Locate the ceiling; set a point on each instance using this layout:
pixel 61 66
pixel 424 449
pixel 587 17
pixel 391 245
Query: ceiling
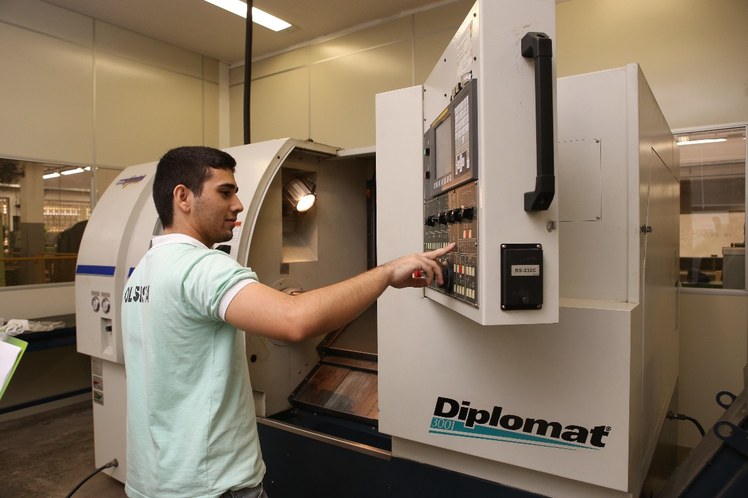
pixel 203 28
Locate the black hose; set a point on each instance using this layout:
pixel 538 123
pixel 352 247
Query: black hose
pixel 113 463
pixel 680 416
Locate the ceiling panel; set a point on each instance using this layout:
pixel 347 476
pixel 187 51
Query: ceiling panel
pixel 209 30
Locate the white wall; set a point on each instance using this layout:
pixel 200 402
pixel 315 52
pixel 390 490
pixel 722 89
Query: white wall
pixel 79 91
pixel 691 51
pixel 325 91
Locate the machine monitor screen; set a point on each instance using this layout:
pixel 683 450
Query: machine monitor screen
pixel 444 148
pixel 450 144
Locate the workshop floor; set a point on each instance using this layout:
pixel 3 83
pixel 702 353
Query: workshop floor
pixel 49 454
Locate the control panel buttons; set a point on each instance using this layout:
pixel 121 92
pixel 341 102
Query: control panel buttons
pixel 95 304
pixel 452 217
pixel 105 305
pixel 449 217
pixel 447 275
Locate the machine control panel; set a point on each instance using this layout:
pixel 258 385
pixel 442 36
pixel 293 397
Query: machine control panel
pixel 450 192
pixel 452 217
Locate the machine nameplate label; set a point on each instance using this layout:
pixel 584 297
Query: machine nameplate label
pixel 452 418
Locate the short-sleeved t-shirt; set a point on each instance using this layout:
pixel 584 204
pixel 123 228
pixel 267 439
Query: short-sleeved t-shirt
pixel 191 425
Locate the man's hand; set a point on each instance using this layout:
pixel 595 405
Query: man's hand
pixel 417 270
pixel 259 309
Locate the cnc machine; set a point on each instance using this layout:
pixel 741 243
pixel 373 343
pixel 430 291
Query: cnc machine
pixel 546 362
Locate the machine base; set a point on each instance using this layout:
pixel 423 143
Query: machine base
pixel 303 465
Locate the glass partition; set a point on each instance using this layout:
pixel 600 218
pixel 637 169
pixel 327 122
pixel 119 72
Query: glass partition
pixel 713 210
pixel 44 209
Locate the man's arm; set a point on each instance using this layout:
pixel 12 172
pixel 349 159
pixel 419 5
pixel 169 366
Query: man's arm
pixel 262 310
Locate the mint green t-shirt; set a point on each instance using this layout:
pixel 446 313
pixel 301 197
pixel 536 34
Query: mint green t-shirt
pixel 191 426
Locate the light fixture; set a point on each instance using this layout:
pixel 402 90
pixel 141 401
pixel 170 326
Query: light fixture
pixel 49 176
pixel 701 141
pixel 74 171
pixel 258 16
pixel 299 192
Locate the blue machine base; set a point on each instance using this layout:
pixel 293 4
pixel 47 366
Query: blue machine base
pixel 302 467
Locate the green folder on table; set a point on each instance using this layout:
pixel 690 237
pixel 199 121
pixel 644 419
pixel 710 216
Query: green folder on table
pixel 11 351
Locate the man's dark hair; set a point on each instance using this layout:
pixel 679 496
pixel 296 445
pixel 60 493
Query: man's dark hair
pixel 189 166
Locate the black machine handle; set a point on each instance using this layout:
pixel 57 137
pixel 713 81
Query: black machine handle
pixel 538 47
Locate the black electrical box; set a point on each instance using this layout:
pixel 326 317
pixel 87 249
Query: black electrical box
pixel 521 276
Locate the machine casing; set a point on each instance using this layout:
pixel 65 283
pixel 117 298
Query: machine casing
pixel 609 366
pixel 572 408
pixel 486 53
pixel 289 252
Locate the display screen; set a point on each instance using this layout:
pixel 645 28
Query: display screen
pixel 444 148
pixel 450 145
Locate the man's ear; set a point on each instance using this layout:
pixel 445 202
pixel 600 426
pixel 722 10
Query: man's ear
pixel 182 198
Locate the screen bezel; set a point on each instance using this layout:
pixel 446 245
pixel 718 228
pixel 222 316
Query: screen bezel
pixel 435 183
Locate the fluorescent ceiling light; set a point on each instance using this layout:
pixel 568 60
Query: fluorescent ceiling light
pixel 701 141
pixel 258 16
pixel 72 171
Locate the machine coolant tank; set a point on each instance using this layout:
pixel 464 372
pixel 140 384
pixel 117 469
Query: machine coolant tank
pixel 474 153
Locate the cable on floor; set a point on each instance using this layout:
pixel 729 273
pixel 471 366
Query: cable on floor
pixel 107 465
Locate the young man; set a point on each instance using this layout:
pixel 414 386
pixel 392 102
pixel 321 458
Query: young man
pixel 191 427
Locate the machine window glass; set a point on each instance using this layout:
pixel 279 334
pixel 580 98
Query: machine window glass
pixel 713 209
pixel 44 209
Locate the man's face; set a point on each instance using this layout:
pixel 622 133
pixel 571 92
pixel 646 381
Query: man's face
pixel 217 207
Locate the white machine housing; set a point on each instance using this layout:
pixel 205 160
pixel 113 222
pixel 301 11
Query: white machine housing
pixel 571 409
pixel 487 49
pixel 291 252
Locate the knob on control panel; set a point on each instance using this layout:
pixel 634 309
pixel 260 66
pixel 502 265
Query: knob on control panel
pixel 453 217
